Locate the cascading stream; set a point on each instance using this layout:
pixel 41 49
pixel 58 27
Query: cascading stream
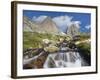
pixel 63 59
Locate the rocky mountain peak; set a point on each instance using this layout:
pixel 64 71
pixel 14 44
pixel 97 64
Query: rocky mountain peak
pixel 49 26
pixel 73 30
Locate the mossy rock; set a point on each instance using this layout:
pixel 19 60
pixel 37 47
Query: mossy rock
pixel 51 49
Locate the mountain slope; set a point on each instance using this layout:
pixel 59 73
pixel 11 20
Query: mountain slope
pixel 29 26
pixel 47 26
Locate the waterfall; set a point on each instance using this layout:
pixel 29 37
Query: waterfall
pixel 63 59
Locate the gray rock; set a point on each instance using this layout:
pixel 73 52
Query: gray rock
pixel 73 30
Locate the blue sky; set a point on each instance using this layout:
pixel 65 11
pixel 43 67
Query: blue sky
pixel 62 19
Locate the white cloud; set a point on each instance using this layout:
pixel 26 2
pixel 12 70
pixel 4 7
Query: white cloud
pixel 62 20
pixel 88 26
pixel 39 19
pixel 65 21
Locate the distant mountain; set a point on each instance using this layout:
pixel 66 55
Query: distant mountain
pixel 26 25
pixel 47 26
pixel 29 26
pixel 73 30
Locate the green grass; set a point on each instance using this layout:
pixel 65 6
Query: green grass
pixel 85 51
pixel 84 48
pixel 84 36
pixel 34 40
